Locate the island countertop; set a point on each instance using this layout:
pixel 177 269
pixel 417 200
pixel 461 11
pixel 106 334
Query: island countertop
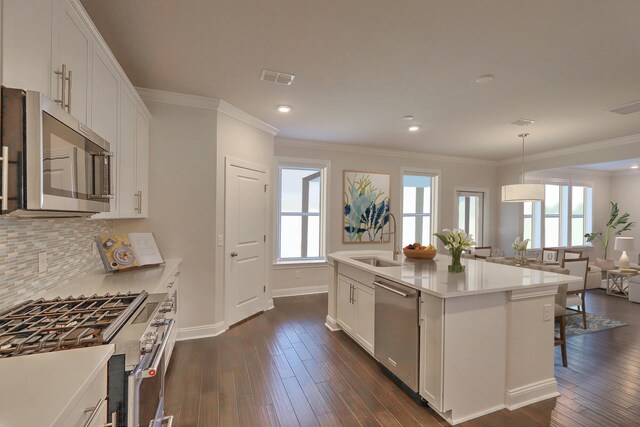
pixel 432 277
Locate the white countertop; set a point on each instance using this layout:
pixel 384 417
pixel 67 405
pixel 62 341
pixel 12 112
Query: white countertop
pixel 480 277
pixel 98 282
pixel 36 390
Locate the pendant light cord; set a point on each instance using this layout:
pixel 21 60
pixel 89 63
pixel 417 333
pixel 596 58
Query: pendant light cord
pixel 523 136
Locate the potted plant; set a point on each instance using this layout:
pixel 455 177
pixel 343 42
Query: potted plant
pixel 618 223
pixel 455 241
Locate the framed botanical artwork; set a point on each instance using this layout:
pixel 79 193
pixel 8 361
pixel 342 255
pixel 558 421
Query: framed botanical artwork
pixel 365 202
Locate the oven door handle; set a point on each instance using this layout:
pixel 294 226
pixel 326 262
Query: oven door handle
pixel 152 369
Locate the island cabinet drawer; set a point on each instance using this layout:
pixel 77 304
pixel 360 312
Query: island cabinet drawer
pixel 90 409
pixel 356 274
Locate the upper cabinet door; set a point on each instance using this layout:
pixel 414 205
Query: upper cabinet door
pixel 142 163
pixel 72 45
pixel 26 45
pixel 127 198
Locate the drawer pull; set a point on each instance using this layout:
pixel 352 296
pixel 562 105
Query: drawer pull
pixel 94 411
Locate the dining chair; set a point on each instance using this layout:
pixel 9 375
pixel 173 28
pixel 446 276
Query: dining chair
pixel 482 252
pixel 560 309
pixel 571 254
pixel 550 255
pixel 576 292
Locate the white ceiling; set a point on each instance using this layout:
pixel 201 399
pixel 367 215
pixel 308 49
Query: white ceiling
pixel 617 166
pixel 361 65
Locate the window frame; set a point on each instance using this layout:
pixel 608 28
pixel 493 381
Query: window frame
pixel 324 168
pixel 485 193
pixel 565 213
pixel 434 174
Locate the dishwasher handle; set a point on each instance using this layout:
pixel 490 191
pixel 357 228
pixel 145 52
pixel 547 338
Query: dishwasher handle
pixel 395 291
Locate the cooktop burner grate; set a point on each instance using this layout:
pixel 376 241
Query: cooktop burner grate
pixel 38 326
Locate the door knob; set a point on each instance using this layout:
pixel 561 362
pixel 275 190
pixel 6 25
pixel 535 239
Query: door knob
pixel 234 254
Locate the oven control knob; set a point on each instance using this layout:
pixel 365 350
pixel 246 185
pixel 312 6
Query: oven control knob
pixel 158 323
pixel 147 346
pixel 166 307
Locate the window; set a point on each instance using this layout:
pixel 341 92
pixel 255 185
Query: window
pixel 417 208
pixel 470 210
pixel 562 219
pixel 301 213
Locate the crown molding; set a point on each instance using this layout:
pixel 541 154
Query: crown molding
pixel 592 146
pixel 349 148
pixel 206 103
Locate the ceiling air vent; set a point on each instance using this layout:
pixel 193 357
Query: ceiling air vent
pixel 634 107
pixel 277 77
pixel 522 122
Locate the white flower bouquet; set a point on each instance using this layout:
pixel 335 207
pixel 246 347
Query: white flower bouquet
pixel 455 241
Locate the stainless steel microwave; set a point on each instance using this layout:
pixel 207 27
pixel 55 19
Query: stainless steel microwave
pixel 52 165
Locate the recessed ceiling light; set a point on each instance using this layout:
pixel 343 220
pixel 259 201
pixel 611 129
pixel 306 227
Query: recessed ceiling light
pixel 485 78
pixel 284 108
pixel 634 166
pixel 523 122
pixel 414 128
pixel 408 118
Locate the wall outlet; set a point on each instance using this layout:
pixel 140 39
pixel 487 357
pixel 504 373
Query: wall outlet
pixel 42 262
pixel 220 240
pixel 94 248
pixel 546 312
pixel 297 274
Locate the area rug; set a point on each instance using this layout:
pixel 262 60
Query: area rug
pixel 594 324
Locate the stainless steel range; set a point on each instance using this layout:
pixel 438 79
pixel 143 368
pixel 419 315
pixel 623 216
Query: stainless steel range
pixel 139 325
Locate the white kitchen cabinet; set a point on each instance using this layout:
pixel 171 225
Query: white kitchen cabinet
pixel 431 350
pixel 356 311
pixel 26 45
pixel 92 403
pixel 126 156
pixel 72 52
pixel 346 309
pixel 142 164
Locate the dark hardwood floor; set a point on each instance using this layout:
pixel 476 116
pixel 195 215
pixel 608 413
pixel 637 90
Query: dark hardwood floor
pixel 284 368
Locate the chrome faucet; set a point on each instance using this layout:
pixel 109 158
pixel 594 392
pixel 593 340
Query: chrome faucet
pixel 396 247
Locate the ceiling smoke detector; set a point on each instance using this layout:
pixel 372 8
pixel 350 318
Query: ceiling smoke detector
pixel 277 77
pixel 522 122
pixel 633 107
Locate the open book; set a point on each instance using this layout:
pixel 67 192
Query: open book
pixel 122 251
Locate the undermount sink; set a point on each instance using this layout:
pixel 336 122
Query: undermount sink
pixel 376 262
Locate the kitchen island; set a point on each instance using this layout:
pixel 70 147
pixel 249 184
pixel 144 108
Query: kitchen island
pixel 486 335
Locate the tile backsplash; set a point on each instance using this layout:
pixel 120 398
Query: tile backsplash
pixel 67 242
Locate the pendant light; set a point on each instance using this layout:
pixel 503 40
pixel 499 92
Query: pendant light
pixel 522 192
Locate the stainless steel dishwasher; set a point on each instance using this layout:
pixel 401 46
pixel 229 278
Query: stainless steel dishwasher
pixel 397 330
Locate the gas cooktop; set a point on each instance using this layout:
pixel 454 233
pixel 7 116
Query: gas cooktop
pixel 38 326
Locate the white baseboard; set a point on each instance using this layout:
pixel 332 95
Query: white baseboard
pixel 332 324
pixel 270 305
pixel 531 393
pixel 453 420
pixel 205 331
pixel 303 290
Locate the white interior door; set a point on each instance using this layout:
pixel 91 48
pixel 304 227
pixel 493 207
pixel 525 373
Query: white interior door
pixel 245 230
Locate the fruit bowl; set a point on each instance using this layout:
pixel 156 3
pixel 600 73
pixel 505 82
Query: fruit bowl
pixel 419 253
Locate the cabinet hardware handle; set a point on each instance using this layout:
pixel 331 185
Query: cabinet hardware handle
pixel 140 202
pixel 5 179
pixel 234 254
pixel 168 419
pixel 69 93
pixel 94 412
pixel 63 99
pixel 114 420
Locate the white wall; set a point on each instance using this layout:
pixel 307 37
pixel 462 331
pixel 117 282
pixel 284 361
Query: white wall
pixel 454 173
pixel 625 189
pixel 182 198
pixel 241 141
